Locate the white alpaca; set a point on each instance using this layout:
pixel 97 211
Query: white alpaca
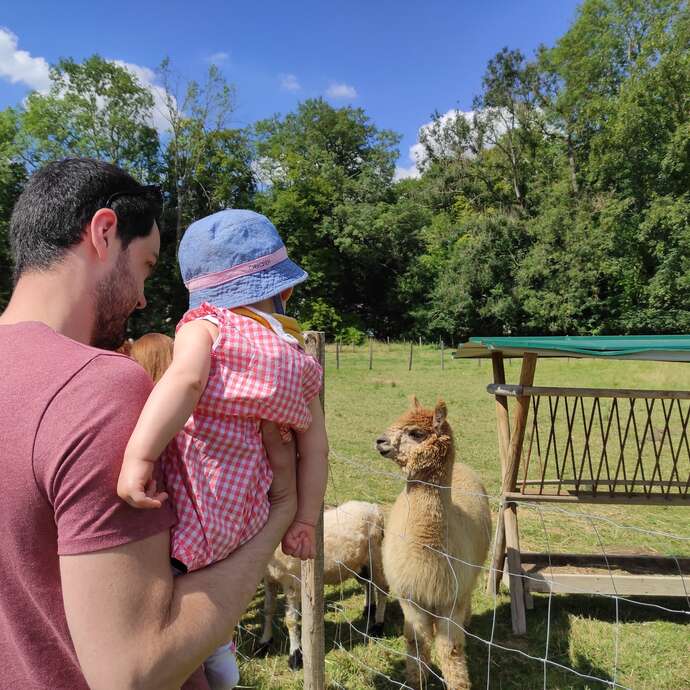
pixel 426 523
pixel 353 535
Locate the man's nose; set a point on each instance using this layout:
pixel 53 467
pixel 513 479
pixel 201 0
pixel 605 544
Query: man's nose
pixel 141 304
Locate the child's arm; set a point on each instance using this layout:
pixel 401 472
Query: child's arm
pixel 312 475
pixel 168 408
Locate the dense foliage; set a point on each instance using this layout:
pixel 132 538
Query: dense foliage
pixel 560 204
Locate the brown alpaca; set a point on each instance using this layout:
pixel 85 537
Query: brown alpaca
pixel 425 523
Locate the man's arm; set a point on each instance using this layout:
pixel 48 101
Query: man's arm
pixel 134 626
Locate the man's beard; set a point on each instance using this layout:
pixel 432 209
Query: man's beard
pixel 116 299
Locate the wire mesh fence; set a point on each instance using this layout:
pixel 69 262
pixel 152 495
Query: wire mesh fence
pixel 588 638
pixel 490 645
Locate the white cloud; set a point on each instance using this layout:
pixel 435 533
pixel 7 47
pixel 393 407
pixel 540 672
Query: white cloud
pixel 19 67
pixel 218 58
pixel 289 82
pixel 417 153
pixel 266 171
pixel 341 91
pixel 147 78
pixel 402 173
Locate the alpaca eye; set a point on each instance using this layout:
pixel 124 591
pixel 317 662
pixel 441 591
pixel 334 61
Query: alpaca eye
pixel 417 434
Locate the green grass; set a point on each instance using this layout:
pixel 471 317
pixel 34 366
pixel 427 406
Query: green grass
pixel 653 647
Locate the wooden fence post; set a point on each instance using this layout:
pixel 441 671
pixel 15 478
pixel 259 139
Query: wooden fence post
pixel 443 364
pixel 371 353
pixel 337 353
pixel 313 633
pixel 409 367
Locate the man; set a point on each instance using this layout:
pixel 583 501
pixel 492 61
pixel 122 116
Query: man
pixel 86 593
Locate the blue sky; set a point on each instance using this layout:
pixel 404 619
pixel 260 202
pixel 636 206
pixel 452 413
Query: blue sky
pixel 400 61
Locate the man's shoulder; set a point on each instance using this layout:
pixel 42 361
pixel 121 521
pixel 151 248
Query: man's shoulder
pixel 33 357
pixel 37 346
pixel 109 376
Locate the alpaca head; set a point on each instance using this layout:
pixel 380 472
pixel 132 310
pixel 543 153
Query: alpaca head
pixel 420 441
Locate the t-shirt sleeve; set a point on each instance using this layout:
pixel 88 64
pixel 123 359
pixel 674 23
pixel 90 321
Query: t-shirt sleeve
pixel 78 453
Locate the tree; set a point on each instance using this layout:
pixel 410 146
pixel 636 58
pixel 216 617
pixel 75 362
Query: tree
pixel 507 117
pixel 96 109
pixel 208 164
pixel 328 176
pixel 12 176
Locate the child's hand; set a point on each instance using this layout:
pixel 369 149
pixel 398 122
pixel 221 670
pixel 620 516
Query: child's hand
pixel 300 541
pixel 137 486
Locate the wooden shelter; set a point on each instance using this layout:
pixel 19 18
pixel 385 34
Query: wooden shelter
pixel 586 445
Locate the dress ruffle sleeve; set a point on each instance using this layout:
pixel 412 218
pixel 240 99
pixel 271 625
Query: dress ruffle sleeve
pixel 263 376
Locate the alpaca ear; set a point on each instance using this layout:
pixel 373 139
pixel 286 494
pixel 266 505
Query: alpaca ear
pixel 440 414
pixel 415 403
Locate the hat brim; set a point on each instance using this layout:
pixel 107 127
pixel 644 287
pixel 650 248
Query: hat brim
pixel 251 288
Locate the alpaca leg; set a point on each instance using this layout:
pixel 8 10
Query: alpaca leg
pixel 293 602
pixel 365 579
pixel 270 593
pixel 450 648
pixel 380 588
pixel 466 612
pixel 419 634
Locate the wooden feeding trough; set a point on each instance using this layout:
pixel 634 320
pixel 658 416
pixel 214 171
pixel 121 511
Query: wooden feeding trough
pixel 586 445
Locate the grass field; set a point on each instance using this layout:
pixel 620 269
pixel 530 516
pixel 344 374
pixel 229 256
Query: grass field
pixel 652 646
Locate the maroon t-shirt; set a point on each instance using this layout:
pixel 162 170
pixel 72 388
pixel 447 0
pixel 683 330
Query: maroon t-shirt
pixel 66 413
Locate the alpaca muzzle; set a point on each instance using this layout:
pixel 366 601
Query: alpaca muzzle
pixel 383 446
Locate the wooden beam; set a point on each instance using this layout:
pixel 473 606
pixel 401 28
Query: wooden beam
pixel 629 562
pixel 517 437
pixel 313 631
pixel 503 431
pixel 622 585
pixel 517 390
pixel 605 482
pixel 602 498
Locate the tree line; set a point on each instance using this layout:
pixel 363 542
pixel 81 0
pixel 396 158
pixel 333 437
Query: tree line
pixel 559 204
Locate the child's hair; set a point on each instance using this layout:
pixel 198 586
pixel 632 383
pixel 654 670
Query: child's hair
pixel 154 352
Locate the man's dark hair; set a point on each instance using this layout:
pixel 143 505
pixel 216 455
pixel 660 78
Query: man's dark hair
pixel 59 201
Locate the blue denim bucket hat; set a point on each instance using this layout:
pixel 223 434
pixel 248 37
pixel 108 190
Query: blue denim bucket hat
pixel 233 258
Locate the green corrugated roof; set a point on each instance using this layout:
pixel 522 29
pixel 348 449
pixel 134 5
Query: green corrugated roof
pixel 672 348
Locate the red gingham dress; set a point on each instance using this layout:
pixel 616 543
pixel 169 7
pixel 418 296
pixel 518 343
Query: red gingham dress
pixel 216 470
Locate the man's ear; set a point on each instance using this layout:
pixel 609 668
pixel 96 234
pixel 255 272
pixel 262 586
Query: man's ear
pixel 101 232
pixel 440 414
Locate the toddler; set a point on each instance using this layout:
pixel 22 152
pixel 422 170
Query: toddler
pixel 237 360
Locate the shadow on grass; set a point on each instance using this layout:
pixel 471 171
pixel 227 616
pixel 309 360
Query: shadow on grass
pixel 512 663
pixel 512 667
pixel 509 664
